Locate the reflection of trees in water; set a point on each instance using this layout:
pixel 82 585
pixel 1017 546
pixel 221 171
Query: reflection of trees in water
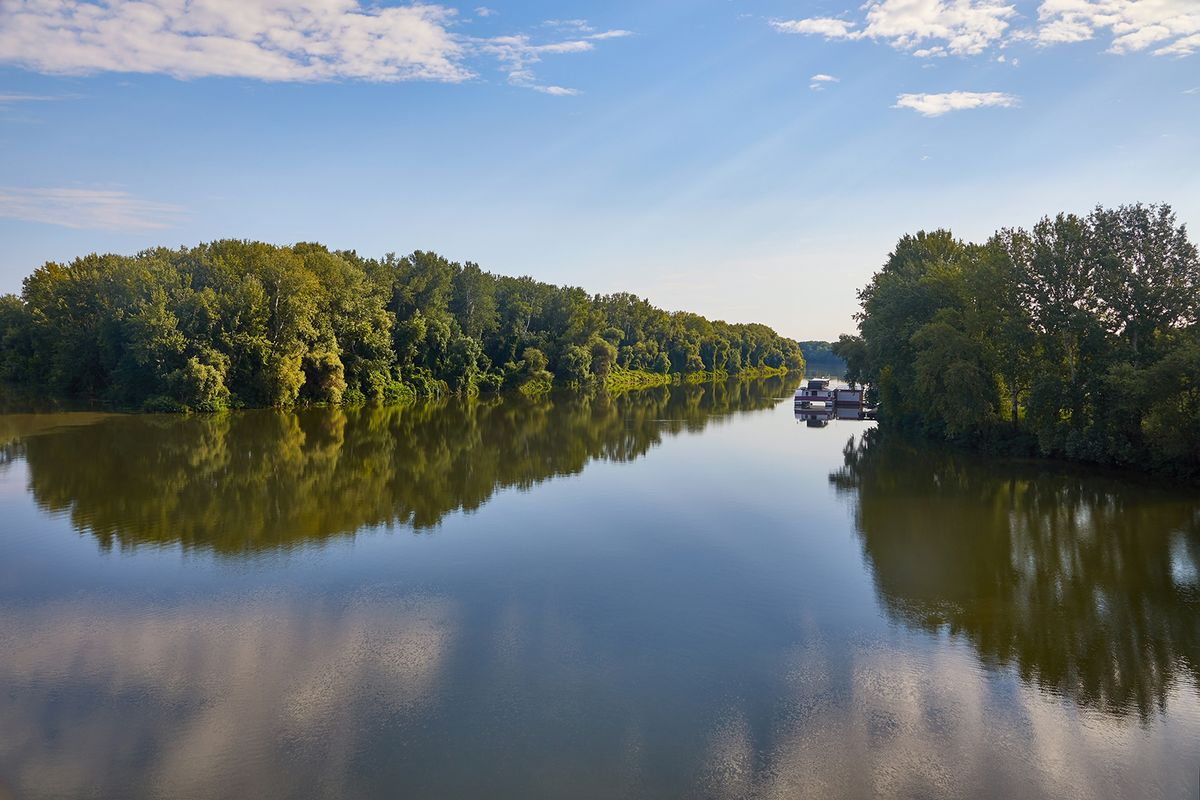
pixel 242 482
pixel 1085 583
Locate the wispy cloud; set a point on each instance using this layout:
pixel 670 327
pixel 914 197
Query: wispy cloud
pixel 575 25
pixel 269 40
pixel 935 105
pixel 557 91
pixel 828 27
pixel 519 53
pixel 86 208
pixel 13 99
pixel 613 34
pixel 820 80
pixel 484 11
pixel 970 27
pixel 583 29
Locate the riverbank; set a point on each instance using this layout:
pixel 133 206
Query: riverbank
pixel 248 324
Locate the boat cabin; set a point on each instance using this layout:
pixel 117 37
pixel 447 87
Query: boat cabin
pixel 817 403
pixel 815 391
pixel 848 398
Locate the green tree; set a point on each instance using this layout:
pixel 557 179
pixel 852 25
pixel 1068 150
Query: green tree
pixel 242 323
pixel 1087 325
pixel 1147 272
pixel 853 351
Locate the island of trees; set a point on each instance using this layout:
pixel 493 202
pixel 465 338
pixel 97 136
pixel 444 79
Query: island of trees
pixel 1078 339
pixel 238 323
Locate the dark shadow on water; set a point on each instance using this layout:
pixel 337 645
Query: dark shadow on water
pixel 1086 584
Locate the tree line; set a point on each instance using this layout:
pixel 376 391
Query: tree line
pixel 1078 339
pixel 240 323
pixel 819 358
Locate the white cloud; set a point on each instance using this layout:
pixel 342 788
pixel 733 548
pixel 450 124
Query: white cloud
pixel 822 26
pixel 820 80
pixel 484 11
pixel 269 40
pixel 933 27
pixel 1193 90
pixel 557 91
pixel 86 208
pixel 923 27
pixel 1063 31
pixel 1170 27
pixel 934 105
pixel 1181 47
pixel 928 28
pixel 274 40
pixel 613 34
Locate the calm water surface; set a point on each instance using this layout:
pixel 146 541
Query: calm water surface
pixel 681 593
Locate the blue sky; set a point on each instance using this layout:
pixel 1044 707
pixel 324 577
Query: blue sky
pixel 685 151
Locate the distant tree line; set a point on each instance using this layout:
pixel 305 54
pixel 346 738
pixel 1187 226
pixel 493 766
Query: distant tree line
pixel 1076 339
pixel 238 323
pixel 820 359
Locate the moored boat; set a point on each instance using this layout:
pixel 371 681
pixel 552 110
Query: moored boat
pixel 815 390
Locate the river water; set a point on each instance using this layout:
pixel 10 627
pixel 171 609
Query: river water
pixel 679 593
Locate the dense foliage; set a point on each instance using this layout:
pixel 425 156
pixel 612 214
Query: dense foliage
pixel 252 324
pixel 1078 339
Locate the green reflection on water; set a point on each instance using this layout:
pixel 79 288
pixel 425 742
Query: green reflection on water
pixel 245 482
pixel 1085 582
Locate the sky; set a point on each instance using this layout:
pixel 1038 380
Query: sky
pixel 750 160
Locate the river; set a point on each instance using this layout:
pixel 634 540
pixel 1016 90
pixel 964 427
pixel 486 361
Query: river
pixel 676 593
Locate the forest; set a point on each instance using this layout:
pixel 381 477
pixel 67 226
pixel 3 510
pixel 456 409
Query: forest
pixel 1078 339
pixel 248 324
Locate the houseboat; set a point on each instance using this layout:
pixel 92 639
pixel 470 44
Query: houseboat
pixel 817 402
pixel 848 399
pixel 815 393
